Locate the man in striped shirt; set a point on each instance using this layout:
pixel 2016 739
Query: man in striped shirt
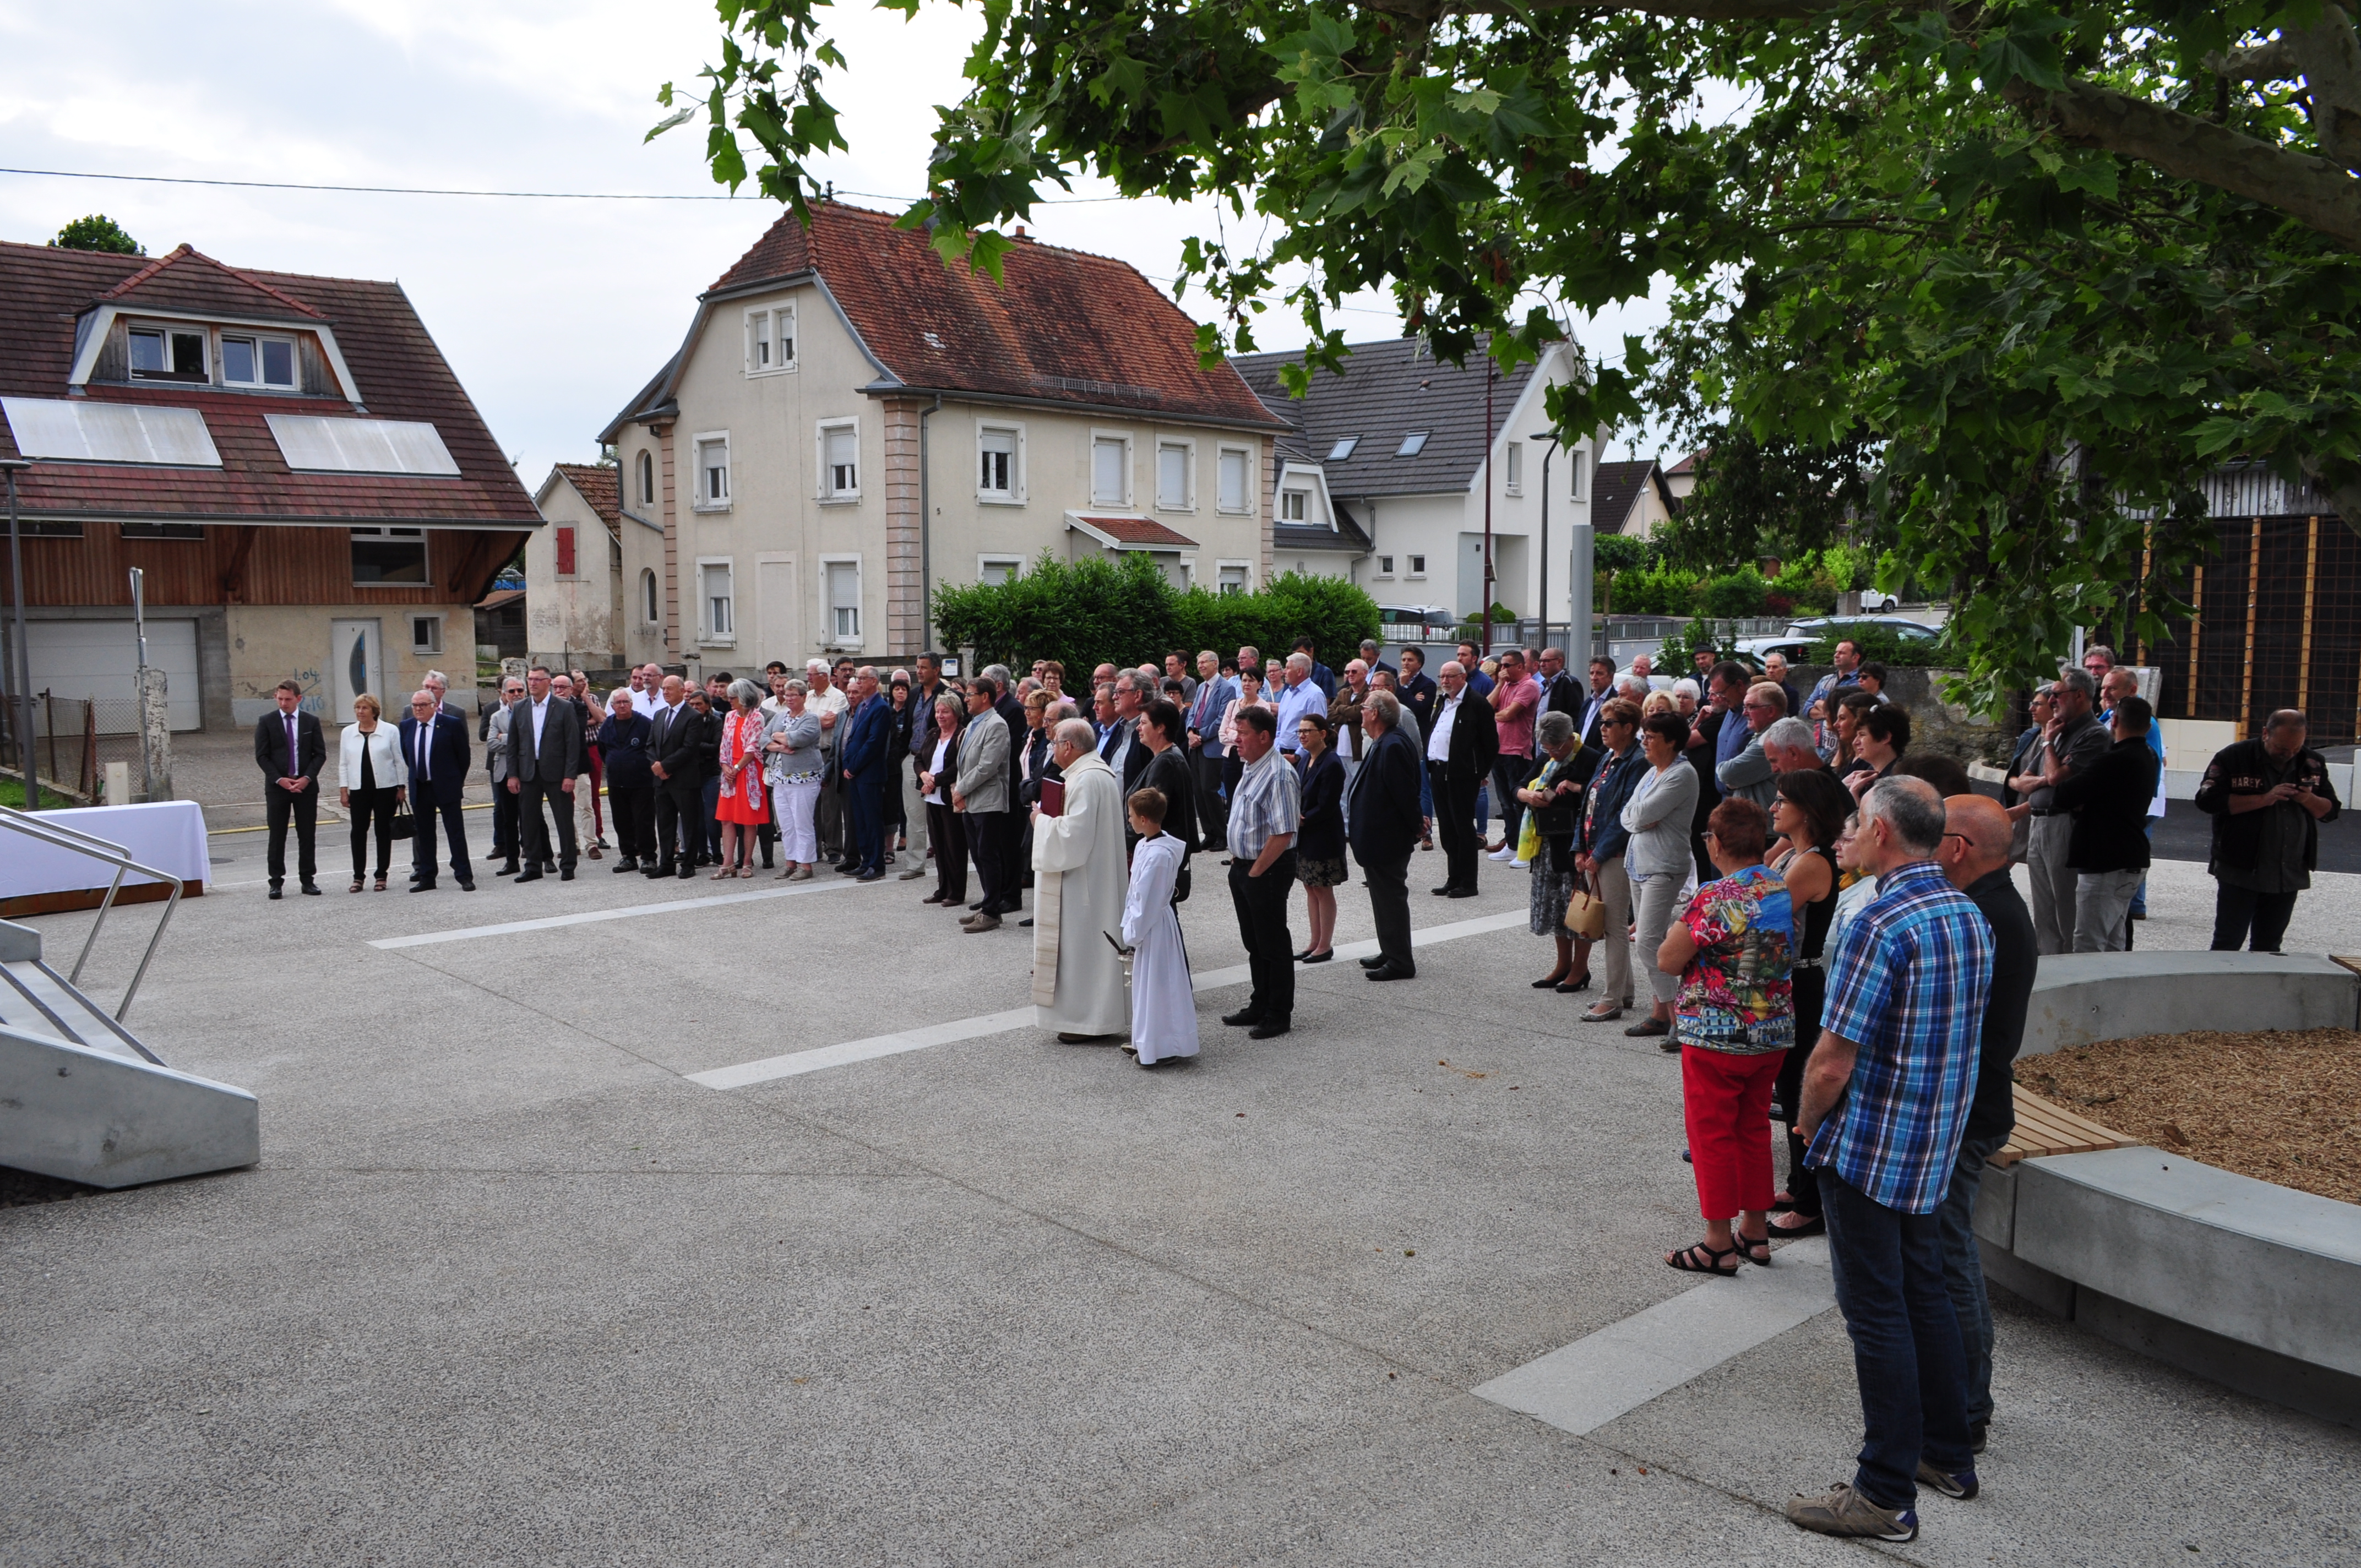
pixel 1885 1105
pixel 1264 810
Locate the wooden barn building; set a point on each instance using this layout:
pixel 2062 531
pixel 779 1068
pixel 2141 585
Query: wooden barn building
pixel 290 460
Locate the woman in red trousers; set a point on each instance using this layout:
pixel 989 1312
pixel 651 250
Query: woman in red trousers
pixel 1735 1019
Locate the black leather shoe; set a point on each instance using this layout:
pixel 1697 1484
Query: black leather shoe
pixel 534 875
pixel 1377 962
pixel 466 887
pixel 1267 1028
pixel 977 905
pixel 566 875
pixel 1026 921
pixel 1460 892
pixel 422 887
pixel 870 876
pixel 1316 958
pixel 1443 892
pixel 313 888
pixel 508 869
pixel 1242 1018
pixel 1388 971
pixel 274 890
pixel 687 873
pixel 656 870
pixel 622 866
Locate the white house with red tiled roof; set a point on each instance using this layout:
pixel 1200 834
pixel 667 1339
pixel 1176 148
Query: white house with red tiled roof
pixel 574 569
pixel 304 485
pixel 849 423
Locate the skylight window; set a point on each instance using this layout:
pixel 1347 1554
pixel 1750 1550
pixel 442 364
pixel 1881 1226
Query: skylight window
pixel 258 361
pixel 311 443
pixel 82 432
pixel 1343 448
pixel 1413 445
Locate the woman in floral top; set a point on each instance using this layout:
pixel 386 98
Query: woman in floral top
pixel 1735 1018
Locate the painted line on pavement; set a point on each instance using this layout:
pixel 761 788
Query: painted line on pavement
pixel 592 917
pixel 1585 1385
pixel 796 1063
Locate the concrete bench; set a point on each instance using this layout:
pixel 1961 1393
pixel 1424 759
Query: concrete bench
pixel 2249 1284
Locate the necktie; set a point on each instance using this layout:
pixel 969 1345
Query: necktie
pixel 422 751
pixel 294 760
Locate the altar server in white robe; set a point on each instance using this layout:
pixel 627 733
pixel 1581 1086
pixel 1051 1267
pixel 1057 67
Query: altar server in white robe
pixel 1163 1004
pixel 1078 864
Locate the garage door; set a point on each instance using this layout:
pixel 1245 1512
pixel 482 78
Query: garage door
pixel 100 660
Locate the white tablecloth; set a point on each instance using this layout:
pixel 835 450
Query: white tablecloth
pixel 168 835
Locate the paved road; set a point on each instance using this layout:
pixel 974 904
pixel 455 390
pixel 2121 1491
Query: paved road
pixel 509 1287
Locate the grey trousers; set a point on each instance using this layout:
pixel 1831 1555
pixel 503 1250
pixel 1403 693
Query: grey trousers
pixel 914 818
pixel 2053 883
pixel 1614 949
pixel 2103 909
pixel 1658 898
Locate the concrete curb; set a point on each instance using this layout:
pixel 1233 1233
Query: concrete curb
pixel 2244 1282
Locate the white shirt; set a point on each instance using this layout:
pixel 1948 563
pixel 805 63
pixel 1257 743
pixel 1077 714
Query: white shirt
pixel 539 717
pixel 935 770
pixel 1446 714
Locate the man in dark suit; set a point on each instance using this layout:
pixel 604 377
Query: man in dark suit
pixel 860 761
pixel 1417 690
pixel 291 750
pixel 1601 671
pixel 1120 748
pixel 1561 693
pixel 1384 825
pixel 671 749
pixel 545 756
pixel 1461 747
pixel 1017 867
pixel 1715 735
pixel 435 745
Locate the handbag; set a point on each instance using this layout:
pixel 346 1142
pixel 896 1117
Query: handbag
pixel 402 824
pixel 1586 914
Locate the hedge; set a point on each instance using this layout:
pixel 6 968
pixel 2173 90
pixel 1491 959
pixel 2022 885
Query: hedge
pixel 1092 611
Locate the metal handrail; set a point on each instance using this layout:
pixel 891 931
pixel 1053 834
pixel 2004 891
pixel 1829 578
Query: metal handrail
pixel 58 836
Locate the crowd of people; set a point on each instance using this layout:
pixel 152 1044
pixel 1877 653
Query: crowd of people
pixel 1825 922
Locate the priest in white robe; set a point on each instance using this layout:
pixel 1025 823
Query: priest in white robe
pixel 1163 1004
pixel 1079 878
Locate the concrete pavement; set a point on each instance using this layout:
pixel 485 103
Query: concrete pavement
pixel 508 1288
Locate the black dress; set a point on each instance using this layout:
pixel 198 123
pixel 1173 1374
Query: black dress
pixel 1320 840
pixel 1811 989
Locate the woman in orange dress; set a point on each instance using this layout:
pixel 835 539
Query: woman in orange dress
pixel 743 807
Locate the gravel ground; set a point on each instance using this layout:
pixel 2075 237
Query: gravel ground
pixel 2278 1106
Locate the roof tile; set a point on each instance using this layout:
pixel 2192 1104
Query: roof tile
pixel 400 373
pixel 597 485
pixel 1136 530
pixel 1063 326
pixel 1389 390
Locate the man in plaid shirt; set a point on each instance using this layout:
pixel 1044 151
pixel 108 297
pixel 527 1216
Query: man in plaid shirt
pixel 1885 1105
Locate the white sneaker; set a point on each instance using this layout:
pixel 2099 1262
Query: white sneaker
pixel 1506 852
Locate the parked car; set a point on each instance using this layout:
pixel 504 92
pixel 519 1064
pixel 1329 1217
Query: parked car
pixel 1821 626
pixel 1418 616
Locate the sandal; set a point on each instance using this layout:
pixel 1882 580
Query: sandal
pixel 745 870
pixel 1686 1260
pixel 1813 1225
pixel 1747 1248
pixel 356 888
pixel 724 872
pixel 380 884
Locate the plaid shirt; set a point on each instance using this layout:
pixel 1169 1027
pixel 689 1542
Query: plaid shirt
pixel 1266 802
pixel 1907 986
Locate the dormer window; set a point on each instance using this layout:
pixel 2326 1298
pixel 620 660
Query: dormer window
pixel 770 340
pixel 258 361
pixel 166 353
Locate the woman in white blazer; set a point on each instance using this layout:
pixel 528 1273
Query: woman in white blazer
pixel 373 779
pixel 1658 861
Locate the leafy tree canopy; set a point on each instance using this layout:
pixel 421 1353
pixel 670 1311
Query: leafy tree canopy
pixel 1996 282
pixel 97 232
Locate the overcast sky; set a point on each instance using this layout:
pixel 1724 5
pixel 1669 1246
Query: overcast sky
pixel 553 313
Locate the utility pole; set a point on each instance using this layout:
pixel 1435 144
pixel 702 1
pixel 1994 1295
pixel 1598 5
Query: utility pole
pixel 1549 451
pixel 12 467
pixel 1490 365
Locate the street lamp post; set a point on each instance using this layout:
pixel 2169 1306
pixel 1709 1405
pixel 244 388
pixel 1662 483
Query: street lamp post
pixel 12 467
pixel 1548 451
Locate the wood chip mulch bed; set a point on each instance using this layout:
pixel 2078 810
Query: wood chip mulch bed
pixel 2281 1106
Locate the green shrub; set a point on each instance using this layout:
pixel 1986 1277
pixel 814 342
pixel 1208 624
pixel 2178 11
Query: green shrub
pixel 1734 595
pixel 1887 648
pixel 1658 590
pixel 1086 612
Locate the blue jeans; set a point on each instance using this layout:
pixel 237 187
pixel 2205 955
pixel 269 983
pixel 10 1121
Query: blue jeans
pixel 2139 897
pixel 1905 1341
pixel 1963 1272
